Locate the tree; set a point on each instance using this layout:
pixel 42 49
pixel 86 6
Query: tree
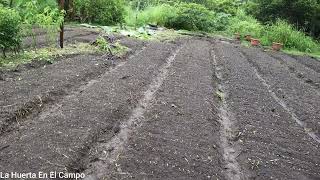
pixel 305 14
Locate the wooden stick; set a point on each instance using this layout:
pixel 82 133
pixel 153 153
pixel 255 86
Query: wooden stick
pixel 61 5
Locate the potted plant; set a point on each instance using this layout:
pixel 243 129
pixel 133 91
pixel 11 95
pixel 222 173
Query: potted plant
pixel 255 42
pixel 248 37
pixel 237 36
pixel 277 46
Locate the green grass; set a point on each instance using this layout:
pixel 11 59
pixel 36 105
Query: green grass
pixel 158 15
pixel 291 38
pixel 44 54
pixel 280 31
pixel 50 54
pixel 299 53
pixel 245 24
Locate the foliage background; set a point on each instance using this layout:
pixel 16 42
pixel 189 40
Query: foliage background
pixel 295 23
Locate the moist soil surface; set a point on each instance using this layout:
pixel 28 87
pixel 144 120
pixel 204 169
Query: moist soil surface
pixel 192 108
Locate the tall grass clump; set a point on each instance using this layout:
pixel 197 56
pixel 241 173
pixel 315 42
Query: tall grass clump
pixel 187 16
pixel 104 12
pixel 193 17
pixel 20 4
pixel 245 24
pixel 285 33
pixel 158 15
pixel 9 30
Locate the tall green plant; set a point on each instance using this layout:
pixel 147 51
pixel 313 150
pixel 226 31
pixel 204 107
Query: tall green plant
pixel 159 15
pixel 105 12
pixel 9 30
pixel 49 19
pixel 191 16
pixel 41 4
pixel 225 6
pixel 304 14
pixel 245 24
pixel 285 33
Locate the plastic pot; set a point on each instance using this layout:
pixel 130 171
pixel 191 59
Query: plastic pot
pixel 248 37
pixel 255 42
pixel 276 46
pixel 237 36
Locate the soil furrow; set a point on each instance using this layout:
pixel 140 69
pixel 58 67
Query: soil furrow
pixel 228 130
pixel 301 98
pixel 309 62
pixel 32 107
pixel 312 134
pixel 28 96
pixel 304 73
pixel 273 146
pixel 59 137
pixel 136 118
pixel 28 92
pixel 183 108
pixel 192 108
pixel 97 80
pixel 45 95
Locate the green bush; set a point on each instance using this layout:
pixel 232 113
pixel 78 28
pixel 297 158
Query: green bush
pixel 304 14
pixel 221 21
pixel 191 16
pixel 281 31
pixel 104 12
pixel 9 29
pixel 225 6
pixel 285 33
pixel 4 3
pixel 158 15
pixel 188 16
pixel 245 24
pixel 41 3
pixel 48 18
pixel 102 44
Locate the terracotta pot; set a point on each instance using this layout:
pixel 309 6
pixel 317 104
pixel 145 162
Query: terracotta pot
pixel 237 36
pixel 248 37
pixel 255 42
pixel 276 46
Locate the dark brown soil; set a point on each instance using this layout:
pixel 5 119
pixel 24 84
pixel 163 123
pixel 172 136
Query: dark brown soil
pixel 274 145
pixel 295 85
pixel 195 108
pixel 71 35
pixel 27 89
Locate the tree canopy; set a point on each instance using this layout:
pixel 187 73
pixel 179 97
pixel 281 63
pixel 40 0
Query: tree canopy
pixel 305 14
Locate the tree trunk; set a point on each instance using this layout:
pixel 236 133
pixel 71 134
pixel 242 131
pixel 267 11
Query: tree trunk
pixel 61 5
pixel 4 52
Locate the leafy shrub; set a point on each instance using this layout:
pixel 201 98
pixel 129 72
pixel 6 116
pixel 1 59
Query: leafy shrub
pixel 48 18
pixel 159 15
pixel 9 29
pixel 102 44
pixel 105 12
pixel 191 16
pixel 4 3
pixel 304 14
pixel 283 32
pixel 225 6
pixel 221 21
pixel 41 5
pixel 245 24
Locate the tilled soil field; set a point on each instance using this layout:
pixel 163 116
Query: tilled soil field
pixel 194 108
